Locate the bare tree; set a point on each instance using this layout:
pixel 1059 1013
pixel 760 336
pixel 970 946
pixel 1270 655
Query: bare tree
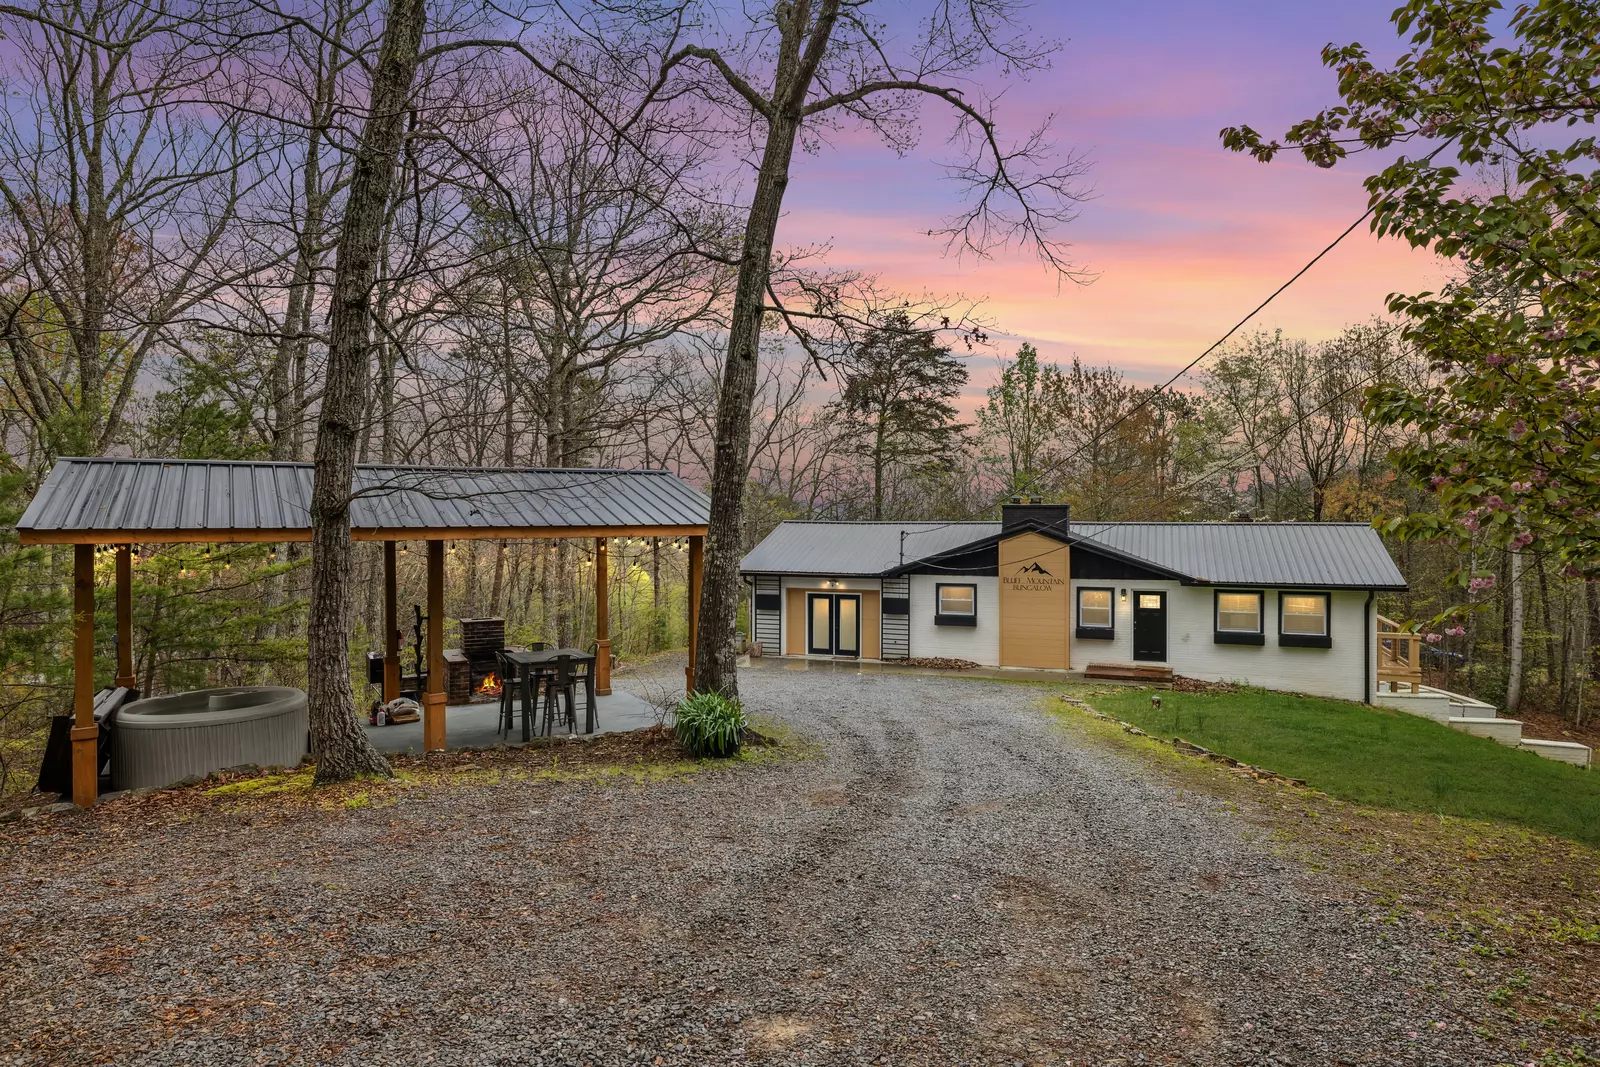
pixel 120 190
pixel 797 69
pixel 343 750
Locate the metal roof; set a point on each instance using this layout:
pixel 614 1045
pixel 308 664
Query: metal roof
pixel 1325 555
pixel 173 499
pixel 1322 554
pixel 858 548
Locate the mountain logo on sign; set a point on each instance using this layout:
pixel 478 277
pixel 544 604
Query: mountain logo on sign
pixel 1035 568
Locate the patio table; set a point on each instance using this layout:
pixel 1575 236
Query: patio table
pixel 531 663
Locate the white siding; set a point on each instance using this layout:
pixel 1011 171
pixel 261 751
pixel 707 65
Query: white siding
pixel 980 643
pixel 1193 652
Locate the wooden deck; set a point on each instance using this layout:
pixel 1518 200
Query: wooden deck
pixel 1128 672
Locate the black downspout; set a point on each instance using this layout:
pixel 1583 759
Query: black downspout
pixel 1366 648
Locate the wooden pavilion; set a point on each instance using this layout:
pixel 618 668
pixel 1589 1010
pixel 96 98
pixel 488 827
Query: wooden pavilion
pixel 126 502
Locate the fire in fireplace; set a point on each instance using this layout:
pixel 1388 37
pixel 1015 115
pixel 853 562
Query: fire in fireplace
pixel 480 640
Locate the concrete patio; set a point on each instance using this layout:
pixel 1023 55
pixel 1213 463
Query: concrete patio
pixel 469 726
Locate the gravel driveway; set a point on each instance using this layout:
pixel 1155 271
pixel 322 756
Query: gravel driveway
pixel 955 881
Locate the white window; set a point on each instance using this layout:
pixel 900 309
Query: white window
pixel 958 600
pixel 1094 609
pixel 1305 614
pixel 1239 613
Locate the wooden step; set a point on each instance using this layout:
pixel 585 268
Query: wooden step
pixel 1128 672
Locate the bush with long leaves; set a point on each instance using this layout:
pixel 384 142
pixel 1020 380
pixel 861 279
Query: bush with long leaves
pixel 710 724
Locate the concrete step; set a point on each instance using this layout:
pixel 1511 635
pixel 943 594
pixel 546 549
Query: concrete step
pixel 1565 751
pixel 1433 705
pixel 1506 731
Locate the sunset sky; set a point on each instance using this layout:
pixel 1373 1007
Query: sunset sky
pixel 1184 236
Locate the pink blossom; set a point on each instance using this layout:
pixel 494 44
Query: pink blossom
pixel 1493 501
pixel 1522 540
pixel 1519 428
pixel 1433 639
pixel 1495 360
pixel 1438 481
pixel 1457 631
pixel 1484 582
pixel 1470 521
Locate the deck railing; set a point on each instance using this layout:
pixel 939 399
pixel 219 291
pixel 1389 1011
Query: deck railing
pixel 1399 656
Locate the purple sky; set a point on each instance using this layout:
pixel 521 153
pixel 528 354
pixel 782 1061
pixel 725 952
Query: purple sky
pixel 1185 237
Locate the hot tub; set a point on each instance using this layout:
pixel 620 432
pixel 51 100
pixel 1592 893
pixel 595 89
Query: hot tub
pixel 166 739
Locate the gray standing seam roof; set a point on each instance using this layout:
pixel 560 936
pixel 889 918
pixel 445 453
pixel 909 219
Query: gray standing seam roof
pixel 176 496
pixel 1325 555
pixel 859 548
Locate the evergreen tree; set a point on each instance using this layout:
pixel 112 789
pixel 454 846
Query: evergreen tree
pixel 896 403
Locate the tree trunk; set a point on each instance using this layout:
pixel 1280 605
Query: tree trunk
pixel 1592 639
pixel 1514 652
pixel 719 595
pixel 342 748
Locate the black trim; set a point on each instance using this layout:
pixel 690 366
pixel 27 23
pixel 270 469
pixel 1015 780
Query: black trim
pixel 1239 637
pixel 954 560
pixel 981 562
pixel 1095 566
pixel 1096 633
pixel 941 618
pixel 1367 638
pixel 1322 640
pixel 896 605
pixel 769 602
pixel 1304 641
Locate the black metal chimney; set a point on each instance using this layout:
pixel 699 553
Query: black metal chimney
pixel 1029 512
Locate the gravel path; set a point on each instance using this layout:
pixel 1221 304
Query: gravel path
pixel 955 882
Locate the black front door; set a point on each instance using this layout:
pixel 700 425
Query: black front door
pixel 833 622
pixel 1150 626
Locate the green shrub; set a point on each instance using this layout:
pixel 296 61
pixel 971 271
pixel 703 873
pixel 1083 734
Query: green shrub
pixel 710 724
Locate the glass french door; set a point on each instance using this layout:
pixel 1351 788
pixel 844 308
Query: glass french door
pixel 834 624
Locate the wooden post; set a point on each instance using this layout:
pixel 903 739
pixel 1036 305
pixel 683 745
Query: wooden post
pixel 85 734
pixel 602 619
pixel 125 677
pixel 697 566
pixel 391 626
pixel 433 700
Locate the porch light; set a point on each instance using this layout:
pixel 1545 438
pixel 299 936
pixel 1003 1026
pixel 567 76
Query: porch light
pixel 1124 596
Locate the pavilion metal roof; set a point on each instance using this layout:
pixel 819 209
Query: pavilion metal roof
pixel 208 500
pixel 1323 555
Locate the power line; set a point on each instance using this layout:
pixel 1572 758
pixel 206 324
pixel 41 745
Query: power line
pixel 1164 386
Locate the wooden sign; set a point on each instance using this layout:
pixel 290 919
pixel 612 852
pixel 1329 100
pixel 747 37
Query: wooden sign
pixel 1035 602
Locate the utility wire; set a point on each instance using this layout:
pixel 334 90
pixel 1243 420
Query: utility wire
pixel 1235 328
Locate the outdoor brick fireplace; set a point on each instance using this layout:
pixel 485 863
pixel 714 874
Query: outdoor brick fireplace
pixel 470 671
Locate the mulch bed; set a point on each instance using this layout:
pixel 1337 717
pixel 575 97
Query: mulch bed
pixel 940 663
pixel 1553 727
pixel 653 745
pixel 1180 684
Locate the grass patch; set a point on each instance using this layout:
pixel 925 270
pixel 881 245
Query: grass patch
pixel 1520 907
pixel 1374 756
